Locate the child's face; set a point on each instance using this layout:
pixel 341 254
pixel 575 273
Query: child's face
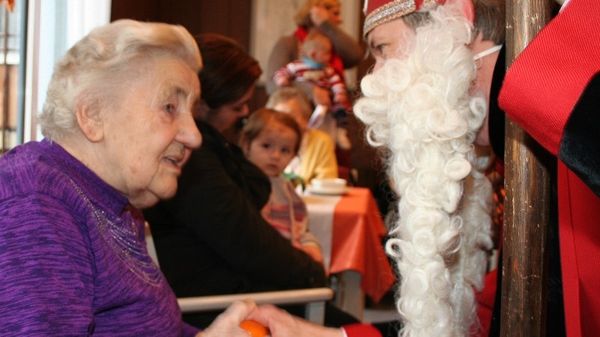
pixel 273 149
pixel 322 54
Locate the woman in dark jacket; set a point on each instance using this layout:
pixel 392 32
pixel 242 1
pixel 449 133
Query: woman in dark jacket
pixel 210 238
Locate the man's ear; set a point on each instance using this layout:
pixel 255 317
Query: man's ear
pixel 90 121
pixel 467 8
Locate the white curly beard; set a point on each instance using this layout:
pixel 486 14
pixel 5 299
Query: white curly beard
pixel 419 108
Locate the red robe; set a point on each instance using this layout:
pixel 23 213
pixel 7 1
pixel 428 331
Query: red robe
pixel 552 91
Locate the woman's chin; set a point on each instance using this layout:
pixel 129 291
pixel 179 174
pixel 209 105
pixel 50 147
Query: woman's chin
pixel 145 201
pixel 150 197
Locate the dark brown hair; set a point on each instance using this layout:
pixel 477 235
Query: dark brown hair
pixel 228 72
pixel 489 20
pixel 260 118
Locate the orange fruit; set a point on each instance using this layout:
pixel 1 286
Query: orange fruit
pixel 254 328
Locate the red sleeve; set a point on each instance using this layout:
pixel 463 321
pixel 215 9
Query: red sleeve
pixel 485 303
pixel 361 330
pixel 546 80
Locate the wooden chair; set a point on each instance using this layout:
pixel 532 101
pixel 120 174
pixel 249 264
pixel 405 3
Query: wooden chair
pixel 313 298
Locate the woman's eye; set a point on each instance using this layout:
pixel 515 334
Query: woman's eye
pixel 266 145
pixel 170 108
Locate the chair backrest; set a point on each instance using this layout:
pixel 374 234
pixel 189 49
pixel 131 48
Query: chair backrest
pixel 150 244
pixel 313 298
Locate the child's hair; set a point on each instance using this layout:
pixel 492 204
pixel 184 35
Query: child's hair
pixel 259 119
pixel 315 40
pixel 286 94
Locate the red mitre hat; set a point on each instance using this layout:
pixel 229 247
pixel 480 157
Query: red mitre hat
pixel 382 11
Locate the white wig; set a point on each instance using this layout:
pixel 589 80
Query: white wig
pixel 105 58
pixel 419 108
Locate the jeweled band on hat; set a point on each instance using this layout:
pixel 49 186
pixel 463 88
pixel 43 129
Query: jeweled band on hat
pixel 382 11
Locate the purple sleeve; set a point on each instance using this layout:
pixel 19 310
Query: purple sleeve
pixel 45 269
pixel 189 331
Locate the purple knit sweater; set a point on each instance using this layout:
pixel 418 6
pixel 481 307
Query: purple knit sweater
pixel 72 254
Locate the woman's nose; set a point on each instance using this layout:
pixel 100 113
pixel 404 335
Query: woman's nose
pixel 189 135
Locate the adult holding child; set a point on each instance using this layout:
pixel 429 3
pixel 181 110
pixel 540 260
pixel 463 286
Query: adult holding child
pixel 314 67
pixel 118 129
pixel 324 16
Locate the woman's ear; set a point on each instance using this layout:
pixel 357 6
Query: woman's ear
pixel 90 122
pixel 201 110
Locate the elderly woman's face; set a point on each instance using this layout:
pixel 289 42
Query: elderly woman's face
pixel 389 40
pixel 151 132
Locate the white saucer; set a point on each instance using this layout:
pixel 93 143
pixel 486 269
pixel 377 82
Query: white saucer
pixel 327 190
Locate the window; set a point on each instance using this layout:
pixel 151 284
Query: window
pixel 37 34
pixel 11 73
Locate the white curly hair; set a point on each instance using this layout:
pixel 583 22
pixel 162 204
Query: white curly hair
pixel 419 109
pixel 108 56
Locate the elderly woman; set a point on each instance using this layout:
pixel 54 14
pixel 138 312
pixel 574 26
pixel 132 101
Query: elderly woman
pixel 118 126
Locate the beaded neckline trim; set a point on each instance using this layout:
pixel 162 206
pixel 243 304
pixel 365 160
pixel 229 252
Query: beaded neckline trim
pixel 122 237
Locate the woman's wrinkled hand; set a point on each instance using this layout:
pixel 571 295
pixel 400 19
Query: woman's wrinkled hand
pixel 228 323
pixel 282 324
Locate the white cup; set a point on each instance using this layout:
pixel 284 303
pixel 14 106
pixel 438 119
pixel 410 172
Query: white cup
pixel 329 183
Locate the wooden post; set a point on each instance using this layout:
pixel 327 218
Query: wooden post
pixel 528 194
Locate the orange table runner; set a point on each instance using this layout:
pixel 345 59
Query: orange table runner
pixel 357 242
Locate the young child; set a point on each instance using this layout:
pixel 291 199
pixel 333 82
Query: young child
pixel 314 67
pixel 270 139
pixel 316 158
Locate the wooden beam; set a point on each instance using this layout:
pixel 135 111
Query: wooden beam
pixel 528 196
